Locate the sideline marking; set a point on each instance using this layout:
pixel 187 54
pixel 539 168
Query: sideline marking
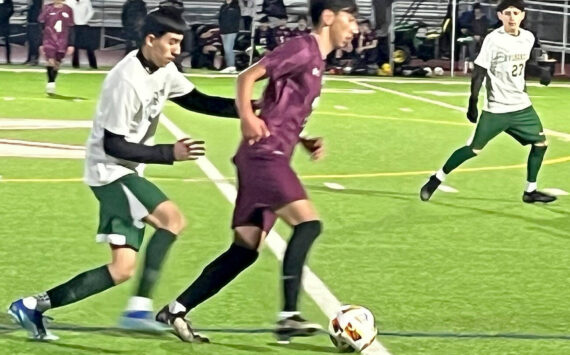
pixel 564 136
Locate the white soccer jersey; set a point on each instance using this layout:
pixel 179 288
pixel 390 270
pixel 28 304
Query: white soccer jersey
pixel 504 56
pixel 130 104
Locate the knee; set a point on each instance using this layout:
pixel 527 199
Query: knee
pixel 542 145
pixel 475 151
pixel 176 222
pixel 122 271
pixel 310 228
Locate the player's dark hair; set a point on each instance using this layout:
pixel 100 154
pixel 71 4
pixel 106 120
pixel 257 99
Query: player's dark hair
pixel 318 6
pixel 166 18
pixel 503 5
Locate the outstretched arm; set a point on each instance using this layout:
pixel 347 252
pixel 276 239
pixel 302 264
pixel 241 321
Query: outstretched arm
pixel 477 77
pixel 209 105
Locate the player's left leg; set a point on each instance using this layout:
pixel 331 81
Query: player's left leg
pixel 302 216
pixel 526 128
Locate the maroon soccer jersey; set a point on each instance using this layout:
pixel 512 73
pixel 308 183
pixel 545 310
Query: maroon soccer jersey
pixel 281 35
pixel 295 71
pixel 297 32
pixel 56 20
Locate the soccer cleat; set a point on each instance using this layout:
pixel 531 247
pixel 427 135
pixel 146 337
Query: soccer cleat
pixel 294 326
pixel 141 321
pixel 50 88
pixel 429 188
pixel 31 320
pixel 537 196
pixel 181 327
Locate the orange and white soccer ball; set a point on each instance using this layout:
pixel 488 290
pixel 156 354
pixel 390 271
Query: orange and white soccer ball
pixel 352 329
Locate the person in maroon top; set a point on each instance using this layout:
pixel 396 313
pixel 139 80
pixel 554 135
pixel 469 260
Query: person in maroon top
pixel 302 28
pixel 58 38
pixel 281 33
pixel 365 46
pixel 268 187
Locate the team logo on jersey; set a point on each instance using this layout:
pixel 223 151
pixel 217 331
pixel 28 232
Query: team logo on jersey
pixel 64 14
pixel 316 71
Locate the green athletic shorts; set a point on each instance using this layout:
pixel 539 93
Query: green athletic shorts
pixel 123 205
pixel 523 125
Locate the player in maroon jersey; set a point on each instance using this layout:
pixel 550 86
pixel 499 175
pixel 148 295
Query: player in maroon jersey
pixel 58 37
pixel 268 187
pixel 302 28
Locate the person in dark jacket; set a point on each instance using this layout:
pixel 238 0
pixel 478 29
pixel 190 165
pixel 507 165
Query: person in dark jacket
pixel 132 17
pixel 229 18
pixel 34 31
pixel 6 11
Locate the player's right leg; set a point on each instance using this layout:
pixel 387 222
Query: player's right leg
pixel 488 127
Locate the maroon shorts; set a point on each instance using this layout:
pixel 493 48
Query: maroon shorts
pixel 52 52
pixel 265 184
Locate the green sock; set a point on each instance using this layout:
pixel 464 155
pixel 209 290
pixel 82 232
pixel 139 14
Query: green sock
pixel 457 158
pixel 155 254
pixel 534 162
pixel 81 286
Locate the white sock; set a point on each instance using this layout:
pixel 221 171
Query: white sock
pixel 440 175
pixel 530 186
pixel 137 303
pixel 283 314
pixel 176 307
pixel 30 302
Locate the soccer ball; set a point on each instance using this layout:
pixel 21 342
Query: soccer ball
pixel 428 71
pixel 438 71
pixel 352 329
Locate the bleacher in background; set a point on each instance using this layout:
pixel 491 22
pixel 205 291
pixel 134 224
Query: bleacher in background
pixel 108 12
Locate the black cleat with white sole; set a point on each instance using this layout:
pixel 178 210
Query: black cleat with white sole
pixel 295 326
pixel 537 196
pixel 181 327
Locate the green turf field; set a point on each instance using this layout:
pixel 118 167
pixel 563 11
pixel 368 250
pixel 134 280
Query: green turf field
pixel 471 272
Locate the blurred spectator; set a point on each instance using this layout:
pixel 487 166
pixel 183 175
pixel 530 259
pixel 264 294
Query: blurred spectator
pixel 473 27
pixel 209 49
pixel 132 19
pixel 281 33
pixel 247 8
pixel 274 9
pixel 302 28
pixel 6 11
pixel 229 27
pixel 446 31
pixel 84 39
pixel 33 32
pixel 365 45
pixel 263 36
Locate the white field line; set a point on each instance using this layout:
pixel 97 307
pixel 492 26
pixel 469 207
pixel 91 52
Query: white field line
pixel 327 77
pixel 29 123
pixel 316 289
pixel 562 135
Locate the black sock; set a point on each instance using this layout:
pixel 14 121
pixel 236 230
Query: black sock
pixel 304 234
pixel 217 274
pixel 55 72
pixel 81 286
pixel 156 251
pixel 50 74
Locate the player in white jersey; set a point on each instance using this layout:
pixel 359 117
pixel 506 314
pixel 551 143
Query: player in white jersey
pixel 502 60
pixel 133 96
